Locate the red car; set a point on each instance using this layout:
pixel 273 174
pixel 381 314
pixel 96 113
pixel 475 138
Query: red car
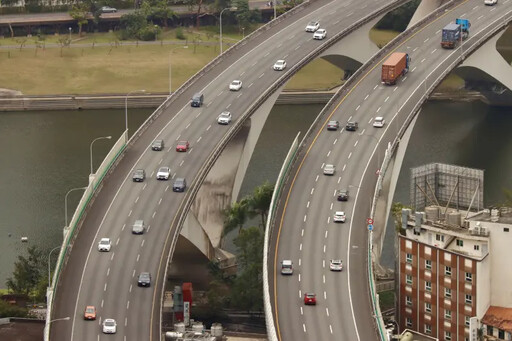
pixel 90 313
pixel 182 146
pixel 309 298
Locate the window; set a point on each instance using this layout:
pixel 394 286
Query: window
pixel 466 321
pixel 490 331
pixel 448 314
pixel 469 277
pixel 428 285
pixel 440 237
pixel 428 329
pixel 505 229
pixel 501 334
pixel 408 300
pixel 408 279
pixel 447 292
pixel 408 257
pixel 428 307
pixel 447 336
pixel 448 270
pixel 460 242
pixel 476 247
pixel 416 232
pixel 428 264
pixel 469 299
pixel 408 322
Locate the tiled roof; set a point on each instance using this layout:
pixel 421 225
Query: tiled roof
pixel 499 317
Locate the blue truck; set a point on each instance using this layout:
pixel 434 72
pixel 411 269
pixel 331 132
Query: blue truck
pixel 452 34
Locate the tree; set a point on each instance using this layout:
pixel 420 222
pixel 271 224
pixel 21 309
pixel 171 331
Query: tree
pixel 396 211
pixel 27 273
pixel 158 10
pixel 259 201
pixel 7 310
pixel 235 216
pixel 79 13
pixel 192 4
pixel 399 18
pixel 244 15
pixel 133 23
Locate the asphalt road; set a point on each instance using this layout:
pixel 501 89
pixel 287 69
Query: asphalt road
pixel 305 231
pixel 108 280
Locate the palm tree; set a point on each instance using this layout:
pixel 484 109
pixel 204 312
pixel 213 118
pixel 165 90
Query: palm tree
pixel 259 202
pixel 235 216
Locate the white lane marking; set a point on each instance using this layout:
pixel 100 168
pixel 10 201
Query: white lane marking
pixel 348 15
pixel 181 163
pixel 300 259
pixel 154 213
pixel 328 220
pixel 378 109
pixel 334 194
pixel 349 155
pixel 414 49
pixel 323 278
pixel 136 199
pixel 167 188
pixel 305 215
pixel 105 287
pixel 102 302
pixel 138 257
pixel 127 305
pixel 122 228
pixel 317 176
pixel 330 328
pixel 403 79
pixel 322 166
pixel 188 125
pixel 133 273
pixel 307 205
pixel 240 94
pixel 433 51
pixel 117 242
pixel 422 60
pixel 375 87
pixel 426 40
pixel 125 321
pixel 414 68
pixel 325 295
pixel 300 247
pixel 312 190
pixel 363 131
pixel 339 179
pixel 131 286
pixel 208 127
pixel 323 263
pixel 395 89
pixel 335 141
pixel 143 188
pixel 298 47
pixel 325 246
pixel 281 44
pixel 331 206
pixel 350 118
pixel 328 153
pixel 152 173
pixel 337 22
pixel 302 233
pixel 160 162
pixel 209 103
pixel 326 232
pixel 366 97
pixel 327 311
pixel 386 99
pixel 108 272
pixel 355 144
pixel 299 277
pixel 285 56
pixel 199 139
pixel 438 31
pixel 475 8
pixel 143 240
pixel 112 257
pixel 261 75
pixel 243 73
pixel 370 121
pixel 344 166
pixel 480 17
pixel 198 114
pixel 160 201
pixel 227 107
pixel 301 311
pixel 357 108
pixel 304 327
pixel 129 214
pixel 250 85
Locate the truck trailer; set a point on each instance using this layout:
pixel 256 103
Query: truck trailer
pixel 452 34
pixel 394 67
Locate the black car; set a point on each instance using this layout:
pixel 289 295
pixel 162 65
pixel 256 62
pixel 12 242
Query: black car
pixel 351 126
pixel 342 195
pixel 144 279
pixel 158 145
pixel 333 125
pixel 139 175
pixel 179 185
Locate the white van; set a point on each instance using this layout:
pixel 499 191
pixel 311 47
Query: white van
pixel 286 267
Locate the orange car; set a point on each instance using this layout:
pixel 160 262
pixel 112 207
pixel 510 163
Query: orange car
pixel 90 313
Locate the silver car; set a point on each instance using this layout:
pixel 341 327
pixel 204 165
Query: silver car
pixel 329 169
pixel 138 227
pixel 163 173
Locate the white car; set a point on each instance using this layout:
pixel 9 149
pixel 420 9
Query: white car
pixel 224 118
pixel 163 173
pixel 379 122
pixel 336 265
pixel 109 326
pixel 312 26
pixel 320 34
pixel 329 169
pixel 339 217
pixel 280 65
pixel 235 85
pixel 490 2
pixel 108 9
pixel 104 244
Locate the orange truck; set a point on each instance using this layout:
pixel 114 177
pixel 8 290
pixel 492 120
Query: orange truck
pixel 394 67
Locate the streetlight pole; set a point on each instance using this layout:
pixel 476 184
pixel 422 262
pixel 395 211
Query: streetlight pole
pixel 49 270
pixel 69 34
pixel 90 148
pixel 60 319
pixel 66 203
pixel 220 22
pixel 126 108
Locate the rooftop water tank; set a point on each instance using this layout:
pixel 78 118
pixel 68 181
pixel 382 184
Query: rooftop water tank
pixel 432 213
pixel 198 327
pixel 216 329
pixel 453 218
pixel 179 327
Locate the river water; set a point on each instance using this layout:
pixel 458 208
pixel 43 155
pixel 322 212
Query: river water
pixel 45 154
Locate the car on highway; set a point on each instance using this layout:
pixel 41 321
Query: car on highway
pixel 144 279
pixel 379 122
pixel 163 173
pixel 224 118
pixel 109 326
pixel 139 175
pixel 333 125
pixel 179 185
pixel 138 227
pixel 157 145
pixel 235 85
pixel 104 245
pixel 329 169
pixel 309 298
pixel 336 265
pixel 108 9
pixel 339 217
pixel 280 65
pixel 197 100
pixel 312 26
pixel 286 267
pixel 90 313
pixel 490 2
pixel 342 194
pixel 351 126
pixel 182 146
pixel 320 34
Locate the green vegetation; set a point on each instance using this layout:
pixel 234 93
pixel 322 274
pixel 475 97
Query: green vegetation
pixel 387 300
pixel 8 310
pixel 382 37
pixel 398 19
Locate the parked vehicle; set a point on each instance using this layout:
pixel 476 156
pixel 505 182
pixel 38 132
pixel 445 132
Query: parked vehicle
pixel 454 34
pixel 394 67
pixel 286 267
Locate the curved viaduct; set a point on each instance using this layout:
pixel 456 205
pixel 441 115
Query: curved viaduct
pixel 302 226
pixel 109 280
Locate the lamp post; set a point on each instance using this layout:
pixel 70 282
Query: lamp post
pixel 126 107
pixel 49 270
pixel 220 19
pixel 60 319
pixel 69 33
pixel 170 67
pixel 66 203
pixel 90 148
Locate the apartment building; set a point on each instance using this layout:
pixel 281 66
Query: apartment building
pixel 455 276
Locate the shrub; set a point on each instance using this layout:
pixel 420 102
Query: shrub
pixel 179 34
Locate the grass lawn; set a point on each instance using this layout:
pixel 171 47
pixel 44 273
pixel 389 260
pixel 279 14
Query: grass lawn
pixel 317 75
pixel 387 300
pixel 382 37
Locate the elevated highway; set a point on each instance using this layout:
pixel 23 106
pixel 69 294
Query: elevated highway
pixel 108 280
pixel 303 229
